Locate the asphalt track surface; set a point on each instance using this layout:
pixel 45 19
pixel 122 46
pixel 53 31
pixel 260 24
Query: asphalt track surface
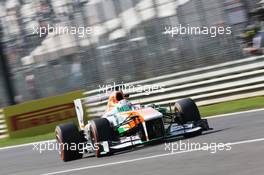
pixel 244 132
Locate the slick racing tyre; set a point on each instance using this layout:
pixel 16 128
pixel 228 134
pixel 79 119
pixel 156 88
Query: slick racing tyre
pixel 100 130
pixel 188 110
pixel 68 137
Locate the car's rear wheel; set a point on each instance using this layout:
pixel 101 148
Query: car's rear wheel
pixel 100 130
pixel 68 138
pixel 188 110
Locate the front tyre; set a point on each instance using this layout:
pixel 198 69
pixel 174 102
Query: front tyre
pixel 188 110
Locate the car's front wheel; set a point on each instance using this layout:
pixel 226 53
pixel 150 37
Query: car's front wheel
pixel 187 110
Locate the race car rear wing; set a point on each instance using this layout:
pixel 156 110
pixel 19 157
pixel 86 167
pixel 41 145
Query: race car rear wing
pixel 82 105
pixel 79 112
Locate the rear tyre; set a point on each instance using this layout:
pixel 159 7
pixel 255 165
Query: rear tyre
pixel 101 130
pixel 68 137
pixel 188 110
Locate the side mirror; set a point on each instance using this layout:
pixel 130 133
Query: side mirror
pixel 126 95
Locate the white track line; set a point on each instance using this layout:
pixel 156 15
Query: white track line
pixel 210 117
pixel 27 144
pixel 235 113
pixel 145 158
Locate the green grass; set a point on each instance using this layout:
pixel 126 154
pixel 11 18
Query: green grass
pixel 215 109
pixel 232 106
pixel 18 141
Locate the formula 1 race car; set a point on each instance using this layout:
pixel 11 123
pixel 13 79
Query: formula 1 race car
pixel 126 125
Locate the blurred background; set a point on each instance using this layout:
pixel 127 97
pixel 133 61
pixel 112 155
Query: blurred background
pixel 127 44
